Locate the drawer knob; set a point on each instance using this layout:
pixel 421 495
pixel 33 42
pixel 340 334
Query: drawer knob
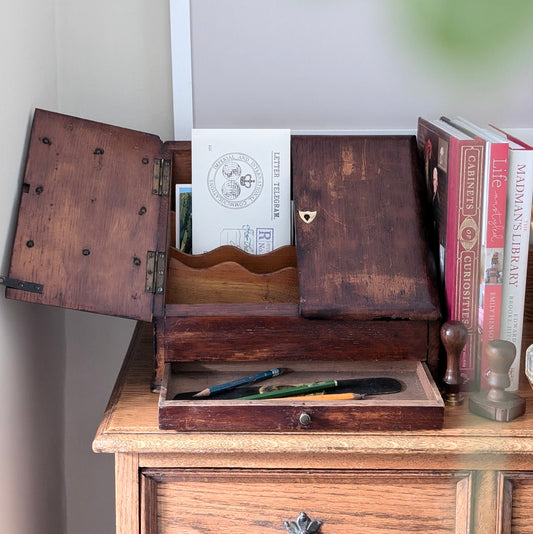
pixel 303 525
pixel 305 419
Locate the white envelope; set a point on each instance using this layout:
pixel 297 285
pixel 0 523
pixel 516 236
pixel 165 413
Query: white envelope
pixel 241 189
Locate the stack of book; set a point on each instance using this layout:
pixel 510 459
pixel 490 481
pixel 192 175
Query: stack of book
pixel 480 183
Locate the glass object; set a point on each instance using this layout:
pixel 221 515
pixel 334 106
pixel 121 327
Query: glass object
pixel 529 364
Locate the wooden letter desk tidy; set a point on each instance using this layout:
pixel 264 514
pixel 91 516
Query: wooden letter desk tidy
pixel 355 297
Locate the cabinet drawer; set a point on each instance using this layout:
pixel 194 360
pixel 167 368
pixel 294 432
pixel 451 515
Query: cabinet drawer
pixel 517 502
pixel 417 406
pixel 242 501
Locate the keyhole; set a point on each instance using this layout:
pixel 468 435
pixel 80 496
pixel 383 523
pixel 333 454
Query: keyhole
pixel 307 216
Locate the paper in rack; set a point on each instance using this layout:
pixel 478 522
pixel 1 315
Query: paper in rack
pixel 241 189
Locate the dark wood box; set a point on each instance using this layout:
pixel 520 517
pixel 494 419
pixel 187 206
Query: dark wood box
pixel 357 291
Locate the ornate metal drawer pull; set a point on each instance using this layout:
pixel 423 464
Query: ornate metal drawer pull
pixel 303 525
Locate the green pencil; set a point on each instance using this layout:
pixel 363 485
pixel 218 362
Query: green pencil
pixel 292 391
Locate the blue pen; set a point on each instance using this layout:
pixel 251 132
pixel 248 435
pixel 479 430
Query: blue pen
pixel 239 382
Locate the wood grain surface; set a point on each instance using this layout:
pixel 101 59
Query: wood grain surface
pixel 473 476
pixel 260 501
pixel 130 423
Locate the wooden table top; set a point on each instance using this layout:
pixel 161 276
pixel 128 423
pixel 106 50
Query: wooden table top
pixel 130 425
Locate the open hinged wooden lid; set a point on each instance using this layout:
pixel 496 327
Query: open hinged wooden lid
pixel 92 231
pixel 361 244
pixel 92 221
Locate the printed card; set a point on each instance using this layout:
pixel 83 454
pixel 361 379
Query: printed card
pixel 184 218
pixel 241 189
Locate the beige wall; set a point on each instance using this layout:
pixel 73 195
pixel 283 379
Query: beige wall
pixel 113 66
pixel 359 64
pixel 107 61
pixel 32 338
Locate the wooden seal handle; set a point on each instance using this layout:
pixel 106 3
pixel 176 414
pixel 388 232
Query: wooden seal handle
pixel 497 403
pixel 454 336
pixel 500 356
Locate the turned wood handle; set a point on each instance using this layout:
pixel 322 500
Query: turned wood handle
pixel 498 404
pixel 454 335
pixel 500 356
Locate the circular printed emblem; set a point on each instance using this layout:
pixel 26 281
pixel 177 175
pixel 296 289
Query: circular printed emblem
pixel 235 180
pixel 468 233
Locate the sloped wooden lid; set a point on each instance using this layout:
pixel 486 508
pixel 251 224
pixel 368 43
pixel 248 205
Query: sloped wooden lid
pixel 87 217
pixel 363 254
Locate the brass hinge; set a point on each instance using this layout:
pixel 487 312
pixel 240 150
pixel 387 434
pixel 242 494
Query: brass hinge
pixel 14 283
pixel 155 272
pixel 161 180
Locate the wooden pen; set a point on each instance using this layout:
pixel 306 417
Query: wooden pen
pixel 293 391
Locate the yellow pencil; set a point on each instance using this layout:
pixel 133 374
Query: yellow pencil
pixel 323 397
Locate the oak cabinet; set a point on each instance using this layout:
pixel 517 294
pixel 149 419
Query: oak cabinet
pixel 516 493
pixel 473 476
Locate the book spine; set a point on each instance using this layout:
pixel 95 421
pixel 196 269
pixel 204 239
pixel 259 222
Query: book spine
pixel 463 246
pixel 519 197
pixel 492 250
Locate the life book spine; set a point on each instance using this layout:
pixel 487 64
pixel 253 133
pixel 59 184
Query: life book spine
pixel 456 163
pixel 492 244
pixel 519 197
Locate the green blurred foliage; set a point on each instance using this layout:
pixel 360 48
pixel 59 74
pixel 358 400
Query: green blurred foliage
pixel 464 30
